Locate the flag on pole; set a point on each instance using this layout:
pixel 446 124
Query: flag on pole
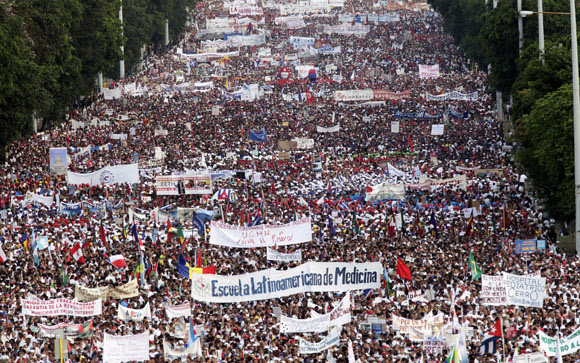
pixel 469 227
pixel 118 261
pixel 63 276
pixel 453 357
pixel 403 270
pixel 488 345
pixel 102 233
pixel 475 270
pixel 77 253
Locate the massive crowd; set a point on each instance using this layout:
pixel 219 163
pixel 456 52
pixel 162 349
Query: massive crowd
pixel 172 120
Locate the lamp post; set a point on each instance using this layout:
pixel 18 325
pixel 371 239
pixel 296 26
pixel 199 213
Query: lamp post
pixel 524 13
pixel 576 99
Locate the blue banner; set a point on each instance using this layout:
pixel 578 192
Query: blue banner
pixel 526 246
pixel 259 136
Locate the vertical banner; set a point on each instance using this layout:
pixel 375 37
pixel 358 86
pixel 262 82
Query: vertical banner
pixel 58 160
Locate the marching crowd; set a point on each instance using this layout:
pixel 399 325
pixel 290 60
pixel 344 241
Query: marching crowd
pixel 208 129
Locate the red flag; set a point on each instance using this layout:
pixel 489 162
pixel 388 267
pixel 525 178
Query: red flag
pixel 77 253
pixel 102 233
pixel 411 144
pixel 469 224
pixel 403 270
pixel 309 96
pixel 169 232
pixel 496 330
pixel 198 262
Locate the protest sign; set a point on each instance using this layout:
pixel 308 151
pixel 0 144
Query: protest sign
pixel 434 345
pixel 189 183
pixel 537 357
pixel 492 290
pixel 306 347
pixel 525 246
pixel 328 129
pixel 525 290
pixel 568 345
pixel 70 330
pixel 428 71
pixel 437 129
pixel 117 174
pixel 177 311
pixel 273 255
pixel 271 283
pixel 170 354
pixel 56 307
pixel 125 348
pixel 354 95
pixel 315 325
pixel 395 127
pixel 58 160
pixel 126 314
pixel 417 329
pixel 264 235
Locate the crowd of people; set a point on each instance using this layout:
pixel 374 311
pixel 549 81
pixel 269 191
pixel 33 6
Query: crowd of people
pixel 170 119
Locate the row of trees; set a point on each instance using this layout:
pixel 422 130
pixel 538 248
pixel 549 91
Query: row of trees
pixel 541 91
pixel 52 50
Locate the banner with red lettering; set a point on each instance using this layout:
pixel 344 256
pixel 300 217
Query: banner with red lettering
pixel 56 307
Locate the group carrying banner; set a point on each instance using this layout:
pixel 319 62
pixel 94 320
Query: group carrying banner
pixel 510 289
pixel 271 283
pixel 56 307
pixel 568 345
pixel 263 235
pixel 339 316
pixel 170 354
pixel 384 191
pixel 126 314
pixel 118 174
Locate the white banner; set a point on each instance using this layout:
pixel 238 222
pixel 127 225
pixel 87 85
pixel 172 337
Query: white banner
pixel 386 191
pixel 473 96
pixel 568 345
pixel 395 127
pixel 462 180
pixel 301 41
pixel 71 330
pixel 273 255
pixel 190 183
pixel 492 290
pixel 304 143
pixel 111 94
pixel 192 351
pixel 525 290
pixel 246 10
pixel 354 95
pixel 316 325
pixel 437 129
pixel 125 291
pixel 340 315
pixel 118 174
pixel 56 307
pixel 302 71
pixel 537 357
pixel 127 314
pixel 247 40
pixel 264 235
pixel 177 311
pixel 271 283
pixel 306 347
pixel 125 348
pixel 426 71
pixel 328 129
pixel 357 29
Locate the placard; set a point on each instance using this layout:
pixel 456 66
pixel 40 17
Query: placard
pixel 525 290
pixel 526 246
pixel 273 255
pixel 125 348
pixel 190 183
pixel 264 235
pixel 56 307
pixel 492 290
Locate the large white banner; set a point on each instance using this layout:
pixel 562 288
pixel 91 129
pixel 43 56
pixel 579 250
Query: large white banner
pixel 568 345
pixel 177 311
pixel 492 290
pixel 264 235
pixel 525 290
pixel 354 95
pixel 271 283
pixel 306 347
pixel 316 325
pixel 56 307
pixel 386 191
pixel 189 183
pixel 127 314
pixel 426 71
pixel 118 174
pixel 340 315
pixel 328 129
pixel 125 348
pixel 125 291
pixel 273 255
pixel 461 179
pixel 247 40
pixel 171 354
pixel 301 41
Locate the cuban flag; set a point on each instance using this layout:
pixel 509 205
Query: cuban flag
pixel 489 345
pixel 257 220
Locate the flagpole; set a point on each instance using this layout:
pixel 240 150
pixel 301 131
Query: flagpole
pixel 502 339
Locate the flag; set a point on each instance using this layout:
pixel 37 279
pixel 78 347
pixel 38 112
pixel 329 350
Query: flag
pixel 260 136
pixel 187 271
pixel 475 270
pixel 387 283
pixel 434 223
pixel 355 223
pixel 391 226
pixel 25 241
pixel 469 224
pixel 42 243
pixel 351 357
pixel 169 231
pixel 497 330
pixel 403 270
pixel 2 255
pixel 63 275
pixel 331 225
pixel 118 261
pixel 124 230
pixel 198 224
pixel 403 225
pixel 191 335
pixel 77 253
pixel 368 293
pixel 453 356
pixel 180 232
pixel 419 226
pixel 102 234
pixel 488 345
pixel 257 220
pixel 299 96
pixel 411 144
pixel 309 96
